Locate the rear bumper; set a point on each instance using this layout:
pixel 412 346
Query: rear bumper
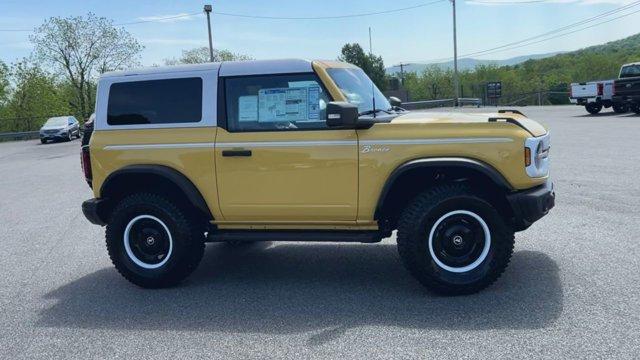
pixel 583 100
pixel 94 210
pixel 531 205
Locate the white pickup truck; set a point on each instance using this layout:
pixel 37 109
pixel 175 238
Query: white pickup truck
pixel 594 96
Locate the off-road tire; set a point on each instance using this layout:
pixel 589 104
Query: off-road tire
pixel 187 240
pixel 621 108
pixel 593 108
pixel 414 228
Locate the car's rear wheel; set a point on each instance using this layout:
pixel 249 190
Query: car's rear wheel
pixel 620 108
pixel 453 241
pixel 593 108
pixel 152 242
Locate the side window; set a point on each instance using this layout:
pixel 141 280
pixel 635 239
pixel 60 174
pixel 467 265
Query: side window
pixel 275 103
pixel 166 101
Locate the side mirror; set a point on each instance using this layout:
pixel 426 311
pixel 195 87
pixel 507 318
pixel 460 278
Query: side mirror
pixel 394 101
pixel 342 114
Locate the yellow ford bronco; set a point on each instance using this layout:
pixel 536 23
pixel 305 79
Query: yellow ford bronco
pixel 296 150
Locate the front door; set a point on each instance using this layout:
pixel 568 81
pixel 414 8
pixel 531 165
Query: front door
pixel 276 160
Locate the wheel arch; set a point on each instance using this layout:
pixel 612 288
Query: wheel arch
pixel 165 180
pixel 414 176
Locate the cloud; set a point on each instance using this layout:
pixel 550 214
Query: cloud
pixel 527 2
pixel 168 18
pixel 174 42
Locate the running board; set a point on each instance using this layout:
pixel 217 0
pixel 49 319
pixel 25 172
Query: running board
pixel 294 235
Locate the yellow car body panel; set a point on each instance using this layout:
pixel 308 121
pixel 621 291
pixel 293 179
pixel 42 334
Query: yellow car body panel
pixel 386 146
pixel 293 176
pixel 112 150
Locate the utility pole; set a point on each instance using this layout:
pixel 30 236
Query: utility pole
pixel 370 47
pixel 207 10
pixel 401 66
pixel 455 57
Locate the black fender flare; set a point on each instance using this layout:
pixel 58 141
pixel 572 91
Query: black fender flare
pixel 191 192
pixel 448 162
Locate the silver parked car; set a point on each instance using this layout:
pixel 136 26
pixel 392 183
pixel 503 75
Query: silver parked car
pixel 60 128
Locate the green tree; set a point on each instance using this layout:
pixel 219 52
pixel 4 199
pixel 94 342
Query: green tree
pixel 83 47
pixel 4 83
pixel 201 55
pixel 372 65
pixel 35 97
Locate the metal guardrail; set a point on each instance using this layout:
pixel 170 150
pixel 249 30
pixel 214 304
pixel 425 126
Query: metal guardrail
pixel 25 135
pixel 425 104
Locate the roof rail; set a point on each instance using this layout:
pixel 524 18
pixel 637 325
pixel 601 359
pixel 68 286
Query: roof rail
pixel 513 111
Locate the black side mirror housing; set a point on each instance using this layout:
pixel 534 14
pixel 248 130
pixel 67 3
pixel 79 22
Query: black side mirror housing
pixel 394 101
pixel 342 114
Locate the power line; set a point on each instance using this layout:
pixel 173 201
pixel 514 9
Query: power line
pixel 329 17
pixel 516 44
pixel 567 33
pixel 560 29
pixel 267 17
pixel 508 2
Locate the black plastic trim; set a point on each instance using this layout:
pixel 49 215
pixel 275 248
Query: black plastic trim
pixel 531 205
pixel 92 210
pixel 513 111
pixel 450 162
pixel 510 120
pixel 188 188
pixel 368 236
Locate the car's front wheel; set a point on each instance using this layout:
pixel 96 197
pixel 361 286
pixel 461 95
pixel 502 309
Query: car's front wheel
pixel 620 108
pixel 152 242
pixel 453 241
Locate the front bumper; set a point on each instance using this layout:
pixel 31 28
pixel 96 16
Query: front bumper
pixel 530 205
pixel 628 99
pixel 94 210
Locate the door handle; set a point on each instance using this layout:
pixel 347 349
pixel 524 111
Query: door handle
pixel 228 153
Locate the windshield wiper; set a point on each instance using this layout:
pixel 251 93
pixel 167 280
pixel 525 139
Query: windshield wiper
pixel 373 111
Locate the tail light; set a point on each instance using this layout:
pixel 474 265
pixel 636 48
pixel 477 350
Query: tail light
pixel 613 88
pixel 600 89
pixel 85 160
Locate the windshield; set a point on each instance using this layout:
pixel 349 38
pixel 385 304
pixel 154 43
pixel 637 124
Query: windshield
pixel 630 71
pixel 59 121
pixel 358 88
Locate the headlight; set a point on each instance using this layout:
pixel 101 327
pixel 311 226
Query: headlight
pixel 536 152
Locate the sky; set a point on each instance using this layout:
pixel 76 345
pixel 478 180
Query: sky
pixel 419 34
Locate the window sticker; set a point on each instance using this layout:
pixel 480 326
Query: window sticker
pixel 285 104
pixel 314 103
pixel 248 108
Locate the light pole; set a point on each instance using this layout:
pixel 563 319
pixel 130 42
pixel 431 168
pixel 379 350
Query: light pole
pixel 207 9
pixel 455 58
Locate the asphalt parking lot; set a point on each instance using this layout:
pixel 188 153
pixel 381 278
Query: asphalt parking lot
pixel 572 289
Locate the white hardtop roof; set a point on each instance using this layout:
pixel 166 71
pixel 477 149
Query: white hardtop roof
pixel 226 68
